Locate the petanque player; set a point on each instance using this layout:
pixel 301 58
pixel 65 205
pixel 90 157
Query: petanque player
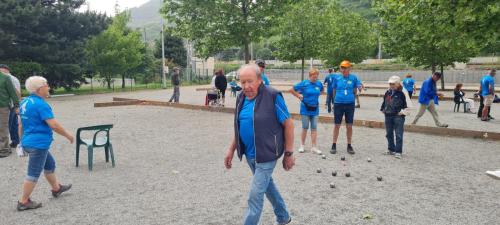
pixel 428 99
pixel 344 91
pixel 409 84
pixel 329 90
pixel 308 92
pixel 8 99
pixel 486 94
pixel 37 125
pixel 13 121
pixel 176 82
pixel 263 132
pixel 262 66
pixel 394 110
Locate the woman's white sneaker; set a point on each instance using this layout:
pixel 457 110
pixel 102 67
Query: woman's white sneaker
pixel 301 149
pixel 315 150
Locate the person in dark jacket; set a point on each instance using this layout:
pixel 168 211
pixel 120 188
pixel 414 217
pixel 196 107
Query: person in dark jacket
pixel 393 107
pixel 221 83
pixel 263 132
pixel 176 82
pixel 459 95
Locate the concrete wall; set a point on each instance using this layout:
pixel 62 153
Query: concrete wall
pixel 375 76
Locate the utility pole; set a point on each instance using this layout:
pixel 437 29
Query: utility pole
pixel 163 75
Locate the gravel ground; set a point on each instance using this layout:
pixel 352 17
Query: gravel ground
pixel 170 171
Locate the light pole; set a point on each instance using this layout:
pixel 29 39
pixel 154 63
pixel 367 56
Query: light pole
pixel 163 75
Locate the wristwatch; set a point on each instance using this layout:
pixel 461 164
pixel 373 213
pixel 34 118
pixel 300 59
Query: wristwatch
pixel 288 154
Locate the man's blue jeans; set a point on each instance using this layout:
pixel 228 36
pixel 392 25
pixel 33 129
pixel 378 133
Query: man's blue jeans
pixel 262 183
pixel 329 101
pixel 395 125
pixel 13 127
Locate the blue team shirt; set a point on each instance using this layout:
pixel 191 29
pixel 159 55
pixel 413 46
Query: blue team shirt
pixel 310 91
pixel 486 81
pixel 265 79
pixel 428 92
pixel 245 120
pixel 34 111
pixel 408 84
pixel 328 81
pixel 344 88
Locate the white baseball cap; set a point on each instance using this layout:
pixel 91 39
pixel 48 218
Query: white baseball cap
pixel 394 80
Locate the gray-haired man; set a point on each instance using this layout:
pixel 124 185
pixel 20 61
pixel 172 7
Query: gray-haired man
pixel 263 132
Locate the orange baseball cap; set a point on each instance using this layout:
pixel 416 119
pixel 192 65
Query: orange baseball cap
pixel 345 63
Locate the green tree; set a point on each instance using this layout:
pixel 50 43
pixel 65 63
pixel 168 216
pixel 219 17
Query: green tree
pixel 218 25
pixel 49 33
pixel 348 36
pixel 437 33
pixel 301 29
pixel 117 50
pixel 175 51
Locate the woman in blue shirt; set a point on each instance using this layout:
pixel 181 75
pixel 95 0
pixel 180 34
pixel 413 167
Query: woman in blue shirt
pixel 409 84
pixel 308 92
pixel 37 124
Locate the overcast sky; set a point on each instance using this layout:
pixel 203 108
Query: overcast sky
pixel 108 6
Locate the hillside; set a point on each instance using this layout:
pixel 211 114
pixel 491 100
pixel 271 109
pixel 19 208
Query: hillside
pixel 147 17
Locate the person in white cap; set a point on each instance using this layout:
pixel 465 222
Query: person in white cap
pixel 394 109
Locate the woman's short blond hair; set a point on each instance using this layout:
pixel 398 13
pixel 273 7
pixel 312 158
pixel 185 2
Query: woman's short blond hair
pixel 313 71
pixel 34 83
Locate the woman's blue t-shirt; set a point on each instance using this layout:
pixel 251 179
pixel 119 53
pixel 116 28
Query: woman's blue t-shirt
pixel 311 92
pixel 34 111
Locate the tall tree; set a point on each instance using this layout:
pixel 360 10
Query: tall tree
pixel 217 25
pixel 347 36
pixel 300 30
pixel 437 33
pixel 51 33
pixel 175 51
pixel 116 51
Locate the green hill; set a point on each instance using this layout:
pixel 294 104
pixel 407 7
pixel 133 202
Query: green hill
pixel 147 17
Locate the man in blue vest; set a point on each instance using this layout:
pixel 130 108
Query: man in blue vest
pixel 263 132
pixel 486 94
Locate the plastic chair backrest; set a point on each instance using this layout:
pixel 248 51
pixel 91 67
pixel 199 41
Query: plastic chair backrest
pixel 98 129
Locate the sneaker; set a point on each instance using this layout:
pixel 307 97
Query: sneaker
pixel 289 221
pixel 62 188
pixel 315 150
pixel 6 152
pixel 397 155
pixel 389 152
pixel 350 150
pixel 357 106
pixel 334 149
pixel 444 125
pixel 29 205
pixel 13 145
pixel 301 149
pixel 491 117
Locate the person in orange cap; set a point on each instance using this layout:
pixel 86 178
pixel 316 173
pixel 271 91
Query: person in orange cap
pixel 345 88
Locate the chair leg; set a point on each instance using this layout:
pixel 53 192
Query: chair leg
pixel 106 152
pixel 77 155
pixel 91 156
pixel 110 147
pixel 465 107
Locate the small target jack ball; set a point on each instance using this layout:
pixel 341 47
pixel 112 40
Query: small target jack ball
pixel 332 185
pixel 369 160
pixel 334 173
pixel 342 158
pixel 379 178
pixel 347 174
pixel 323 156
pixel 318 171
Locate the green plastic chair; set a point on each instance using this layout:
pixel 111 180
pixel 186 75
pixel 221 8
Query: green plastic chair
pixel 95 142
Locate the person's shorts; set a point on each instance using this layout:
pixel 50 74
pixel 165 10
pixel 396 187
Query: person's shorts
pixel 39 160
pixel 341 110
pixel 488 100
pixel 306 120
